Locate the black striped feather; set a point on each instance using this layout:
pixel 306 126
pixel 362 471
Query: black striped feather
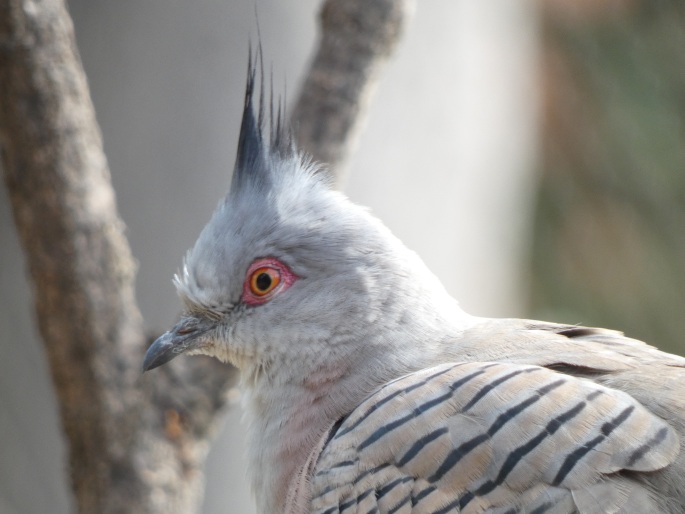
pixel 492 437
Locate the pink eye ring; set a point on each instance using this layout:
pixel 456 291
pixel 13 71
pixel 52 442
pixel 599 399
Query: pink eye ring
pixel 265 278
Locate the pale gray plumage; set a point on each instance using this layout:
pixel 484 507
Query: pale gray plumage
pixel 369 390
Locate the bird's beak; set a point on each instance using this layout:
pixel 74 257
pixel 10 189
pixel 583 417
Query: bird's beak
pixel 182 337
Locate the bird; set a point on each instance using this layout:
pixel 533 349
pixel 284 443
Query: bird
pixel 367 389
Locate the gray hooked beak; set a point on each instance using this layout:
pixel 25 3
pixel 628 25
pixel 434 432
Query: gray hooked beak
pixel 183 337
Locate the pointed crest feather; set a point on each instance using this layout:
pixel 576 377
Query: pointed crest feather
pixel 254 150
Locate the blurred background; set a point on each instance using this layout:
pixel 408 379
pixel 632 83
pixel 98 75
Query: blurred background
pixel 532 152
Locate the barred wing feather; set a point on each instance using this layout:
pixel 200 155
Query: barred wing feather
pixel 496 438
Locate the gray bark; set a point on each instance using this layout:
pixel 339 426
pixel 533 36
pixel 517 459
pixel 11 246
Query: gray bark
pixel 136 443
pixel 121 429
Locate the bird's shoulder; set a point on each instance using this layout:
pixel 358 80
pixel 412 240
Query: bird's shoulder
pixel 564 347
pixel 492 437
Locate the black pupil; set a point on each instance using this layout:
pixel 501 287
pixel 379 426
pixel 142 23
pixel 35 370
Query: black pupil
pixel 263 281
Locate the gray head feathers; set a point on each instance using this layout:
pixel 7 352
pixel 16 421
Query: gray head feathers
pixel 352 277
pixel 272 183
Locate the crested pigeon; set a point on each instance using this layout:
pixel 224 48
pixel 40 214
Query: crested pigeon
pixel 368 389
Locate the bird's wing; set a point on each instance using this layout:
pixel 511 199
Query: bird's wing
pixel 492 437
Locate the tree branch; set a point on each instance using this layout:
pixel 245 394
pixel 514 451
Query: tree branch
pixel 83 283
pixel 357 38
pixel 80 263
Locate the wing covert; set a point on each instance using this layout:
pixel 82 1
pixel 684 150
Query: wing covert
pixel 491 437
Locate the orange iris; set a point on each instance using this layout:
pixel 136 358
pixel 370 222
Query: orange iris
pixel 264 280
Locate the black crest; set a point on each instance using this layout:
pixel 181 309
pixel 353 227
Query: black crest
pixel 255 152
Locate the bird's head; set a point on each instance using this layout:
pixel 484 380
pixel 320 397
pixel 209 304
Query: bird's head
pixel 287 266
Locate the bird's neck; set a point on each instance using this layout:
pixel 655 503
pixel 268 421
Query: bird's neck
pixel 291 417
pixel 288 423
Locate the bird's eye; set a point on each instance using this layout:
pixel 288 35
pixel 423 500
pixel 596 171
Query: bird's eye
pixel 265 278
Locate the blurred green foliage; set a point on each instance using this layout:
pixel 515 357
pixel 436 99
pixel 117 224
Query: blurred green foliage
pixel 609 238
